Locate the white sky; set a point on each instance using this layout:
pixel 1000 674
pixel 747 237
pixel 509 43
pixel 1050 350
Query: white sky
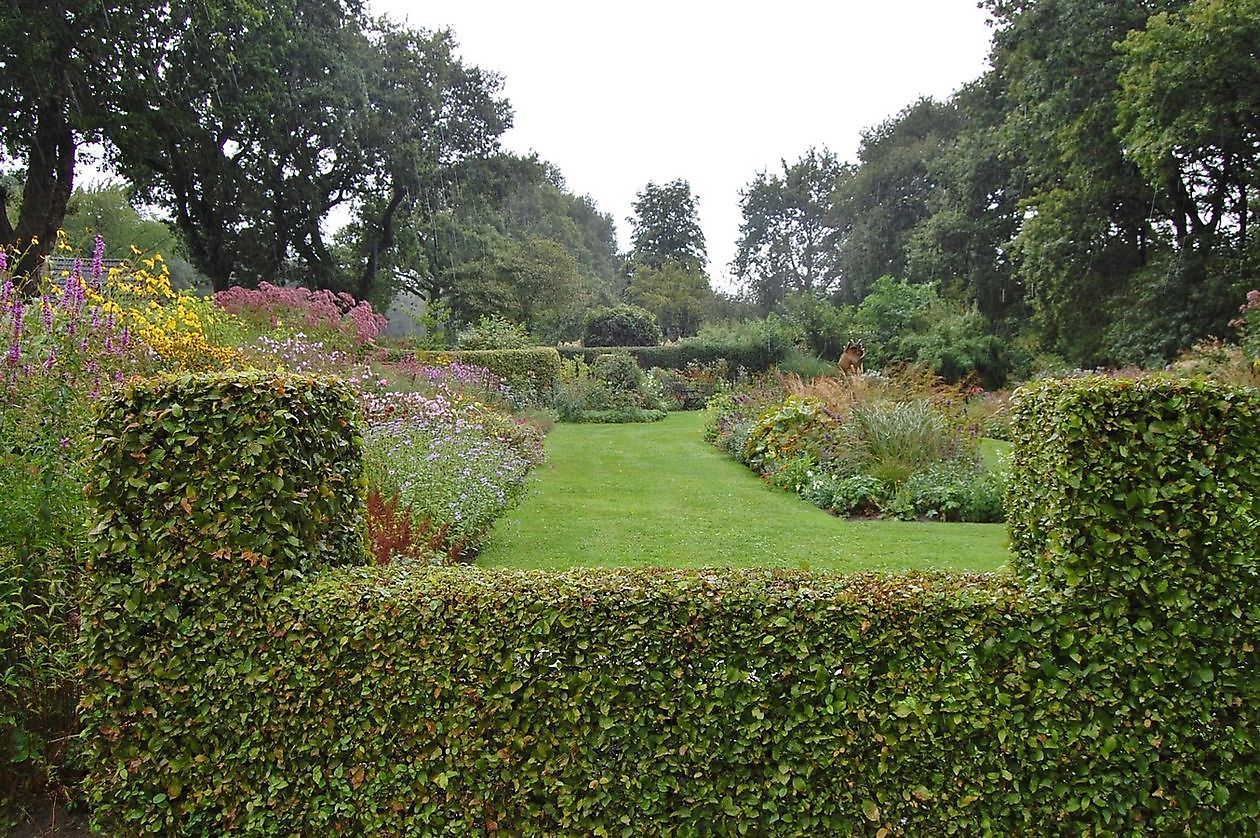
pixel 617 95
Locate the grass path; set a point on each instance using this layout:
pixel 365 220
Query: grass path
pixel 657 494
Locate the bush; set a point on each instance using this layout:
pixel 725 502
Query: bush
pixel 452 472
pixel 38 685
pixel 857 494
pixel 1110 692
pixel 953 490
pixel 211 493
pixel 335 318
pixel 622 325
pixel 613 390
pixel 494 333
pixel 692 387
pixel 793 428
pixel 1181 462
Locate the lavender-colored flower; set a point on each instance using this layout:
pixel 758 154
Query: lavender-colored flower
pixel 4 261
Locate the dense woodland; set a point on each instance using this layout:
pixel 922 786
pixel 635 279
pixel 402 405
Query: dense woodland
pixel 1089 200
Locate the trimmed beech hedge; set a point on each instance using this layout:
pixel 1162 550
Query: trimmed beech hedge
pixel 215 494
pixel 1146 488
pixel 754 357
pixel 538 367
pixel 265 697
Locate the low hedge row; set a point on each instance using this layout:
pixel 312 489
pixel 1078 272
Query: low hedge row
pixel 752 356
pixel 538 367
pixel 240 690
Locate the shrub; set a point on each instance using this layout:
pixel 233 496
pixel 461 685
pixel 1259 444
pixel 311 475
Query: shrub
pixel 857 494
pixel 1110 692
pixel 1181 463
pixel 621 325
pixel 953 490
pixel 333 317
pixel 211 493
pixel 494 333
pixel 450 471
pixel 792 428
pixel 794 475
pixel 748 348
pixel 613 390
pixel 1248 325
pixel 692 387
pixel 38 685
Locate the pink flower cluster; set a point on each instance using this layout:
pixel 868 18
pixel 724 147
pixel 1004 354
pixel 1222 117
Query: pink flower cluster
pixel 304 308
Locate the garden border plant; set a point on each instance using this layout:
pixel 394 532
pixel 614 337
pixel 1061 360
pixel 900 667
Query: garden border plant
pixel 239 679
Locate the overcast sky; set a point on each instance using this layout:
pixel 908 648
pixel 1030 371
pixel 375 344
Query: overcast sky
pixel 617 95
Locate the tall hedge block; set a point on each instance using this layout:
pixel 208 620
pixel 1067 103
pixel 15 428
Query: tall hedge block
pixel 1147 489
pixel 213 492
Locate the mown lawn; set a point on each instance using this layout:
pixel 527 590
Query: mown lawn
pixel 657 494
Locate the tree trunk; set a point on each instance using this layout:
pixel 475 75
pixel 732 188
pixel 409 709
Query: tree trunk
pixel 380 243
pixel 49 181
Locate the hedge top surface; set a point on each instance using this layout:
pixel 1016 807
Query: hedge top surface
pixel 1135 485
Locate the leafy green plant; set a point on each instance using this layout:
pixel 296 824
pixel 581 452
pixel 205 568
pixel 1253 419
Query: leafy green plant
pixel 953 490
pixel 613 390
pixel 529 372
pixel 39 688
pixel 621 325
pixel 494 333
pixel 792 428
pixel 794 475
pixel 856 494
pixel 448 469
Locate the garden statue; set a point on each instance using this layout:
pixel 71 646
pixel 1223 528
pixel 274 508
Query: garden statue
pixel 850 361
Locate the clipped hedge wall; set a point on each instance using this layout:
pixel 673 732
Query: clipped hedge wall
pixel 537 368
pixel 754 357
pixel 214 493
pixel 1147 489
pixel 242 695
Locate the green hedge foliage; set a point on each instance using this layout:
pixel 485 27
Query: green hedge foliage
pixel 1146 488
pixel 262 697
pixel 620 325
pixel 537 368
pixel 213 494
pixel 752 356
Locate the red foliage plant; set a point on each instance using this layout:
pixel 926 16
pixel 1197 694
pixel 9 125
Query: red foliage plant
pixel 393 532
